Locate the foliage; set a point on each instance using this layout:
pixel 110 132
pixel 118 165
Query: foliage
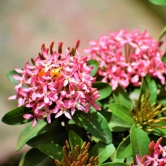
pixel 76 117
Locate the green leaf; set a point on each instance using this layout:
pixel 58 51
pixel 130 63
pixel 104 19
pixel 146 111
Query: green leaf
pixel 159 131
pixel 163 59
pixel 52 150
pixel 124 149
pixel 74 140
pixel 163 32
pixel 118 125
pixel 121 97
pixel 56 135
pixel 104 89
pixel 10 76
pixel 114 158
pixel 30 132
pixel 15 117
pixel 103 151
pixel 122 112
pixel 114 164
pixel 140 142
pixel 32 157
pixel 95 65
pixel 95 124
pixel 149 85
pixel 158 2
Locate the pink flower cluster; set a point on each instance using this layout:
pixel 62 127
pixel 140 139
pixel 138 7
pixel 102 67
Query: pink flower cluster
pixel 126 57
pixel 156 155
pixel 55 84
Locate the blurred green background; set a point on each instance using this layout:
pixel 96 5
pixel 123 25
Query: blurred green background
pixel 26 24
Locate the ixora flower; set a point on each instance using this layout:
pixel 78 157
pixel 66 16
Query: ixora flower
pixel 124 58
pixel 156 155
pixel 56 83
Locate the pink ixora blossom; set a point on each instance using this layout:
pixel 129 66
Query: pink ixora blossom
pixel 56 84
pixel 124 58
pixel 155 157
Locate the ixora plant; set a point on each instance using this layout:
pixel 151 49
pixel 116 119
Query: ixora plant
pixel 105 108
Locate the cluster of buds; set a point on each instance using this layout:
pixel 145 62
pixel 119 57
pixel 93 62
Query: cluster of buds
pixel 77 157
pixel 146 115
pixel 125 58
pixel 156 155
pixel 55 84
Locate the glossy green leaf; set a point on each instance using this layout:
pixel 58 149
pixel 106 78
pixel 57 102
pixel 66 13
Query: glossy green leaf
pixel 114 164
pixel 32 157
pixel 95 65
pixel 15 116
pixel 124 149
pixel 103 151
pixel 158 2
pixel 122 112
pixel 75 140
pixel 149 85
pixel 52 150
pixel 114 158
pixel 118 125
pixel 30 132
pixel 95 124
pixel 163 59
pixel 10 76
pixel 56 136
pixel 104 89
pixel 121 97
pixel 139 141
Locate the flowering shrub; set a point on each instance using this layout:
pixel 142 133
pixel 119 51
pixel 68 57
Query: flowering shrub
pixel 107 107
pixel 55 84
pixel 126 57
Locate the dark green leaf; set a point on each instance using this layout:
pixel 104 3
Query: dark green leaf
pixel 124 149
pixel 75 140
pixel 103 151
pixel 118 125
pixel 32 157
pixel 114 164
pixel 10 76
pixel 78 130
pixel 95 65
pixel 95 124
pixel 122 112
pixel 103 88
pixel 149 85
pixel 29 132
pixel 52 150
pixel 121 97
pixel 158 2
pixel 140 142
pixel 56 136
pixel 15 117
pixel 163 59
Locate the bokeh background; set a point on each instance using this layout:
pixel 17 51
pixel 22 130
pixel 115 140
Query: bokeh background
pixel 26 24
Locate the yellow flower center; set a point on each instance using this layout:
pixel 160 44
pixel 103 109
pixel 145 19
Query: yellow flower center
pixel 56 72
